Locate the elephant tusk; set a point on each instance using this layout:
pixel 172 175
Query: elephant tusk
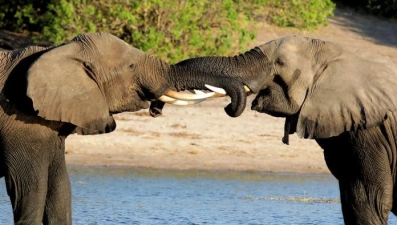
pixel 198 92
pixel 178 98
pixel 187 97
pixel 220 92
pixel 174 101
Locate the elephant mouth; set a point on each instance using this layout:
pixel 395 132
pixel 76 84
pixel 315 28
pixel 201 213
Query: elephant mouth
pixel 180 98
pixel 220 92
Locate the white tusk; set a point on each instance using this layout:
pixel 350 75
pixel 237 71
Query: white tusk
pixel 216 89
pixel 174 101
pixel 187 96
pixel 220 92
pixel 198 92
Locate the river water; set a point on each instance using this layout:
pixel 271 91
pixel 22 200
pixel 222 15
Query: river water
pixel 161 197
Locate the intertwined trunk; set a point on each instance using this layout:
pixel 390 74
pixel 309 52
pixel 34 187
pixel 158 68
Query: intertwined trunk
pixel 188 78
pixel 183 78
pixel 249 68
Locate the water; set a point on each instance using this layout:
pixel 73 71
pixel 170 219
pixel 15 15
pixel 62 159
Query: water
pixel 142 196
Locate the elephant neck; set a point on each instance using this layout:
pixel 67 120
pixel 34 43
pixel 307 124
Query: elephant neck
pixel 155 77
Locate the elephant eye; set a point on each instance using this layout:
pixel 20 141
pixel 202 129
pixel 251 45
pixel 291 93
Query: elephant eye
pixel 132 66
pixel 279 62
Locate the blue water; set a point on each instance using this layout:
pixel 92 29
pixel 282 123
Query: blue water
pixel 142 196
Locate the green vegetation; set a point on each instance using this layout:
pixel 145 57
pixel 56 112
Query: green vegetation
pixel 305 14
pixel 170 29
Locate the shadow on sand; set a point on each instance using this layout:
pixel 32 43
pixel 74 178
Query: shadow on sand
pixel 382 32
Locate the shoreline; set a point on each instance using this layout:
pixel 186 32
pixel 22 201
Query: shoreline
pixel 109 161
pixel 237 174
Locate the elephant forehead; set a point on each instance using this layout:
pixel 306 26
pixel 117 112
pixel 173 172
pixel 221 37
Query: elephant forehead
pixel 289 48
pixel 107 49
pixel 295 42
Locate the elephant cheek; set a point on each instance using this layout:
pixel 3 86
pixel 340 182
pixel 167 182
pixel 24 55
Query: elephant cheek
pixel 132 106
pixel 140 104
pixel 143 105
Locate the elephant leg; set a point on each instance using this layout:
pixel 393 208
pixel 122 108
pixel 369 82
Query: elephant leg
pixel 2 163
pixel 365 203
pixel 58 203
pixel 361 163
pixel 26 184
pixel 394 209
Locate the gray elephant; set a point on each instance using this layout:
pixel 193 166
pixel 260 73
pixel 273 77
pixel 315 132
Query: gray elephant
pixel 347 103
pixel 50 93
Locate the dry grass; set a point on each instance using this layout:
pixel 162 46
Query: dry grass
pixel 133 131
pixel 176 125
pixel 185 135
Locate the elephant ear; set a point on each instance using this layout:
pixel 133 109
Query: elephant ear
pixel 61 90
pixel 350 94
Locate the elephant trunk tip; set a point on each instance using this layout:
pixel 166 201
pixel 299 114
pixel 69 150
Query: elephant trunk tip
pixel 156 108
pixel 238 96
pixel 235 109
pixel 230 111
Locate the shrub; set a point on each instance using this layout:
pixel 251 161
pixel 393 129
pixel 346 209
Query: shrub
pixel 170 29
pixel 20 15
pixel 304 14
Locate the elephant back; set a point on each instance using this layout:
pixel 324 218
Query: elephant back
pixel 13 81
pixel 17 62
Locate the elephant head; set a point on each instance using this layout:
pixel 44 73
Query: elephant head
pixel 87 80
pixel 320 88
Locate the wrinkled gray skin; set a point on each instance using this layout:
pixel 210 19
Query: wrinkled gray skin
pixel 50 93
pixel 348 104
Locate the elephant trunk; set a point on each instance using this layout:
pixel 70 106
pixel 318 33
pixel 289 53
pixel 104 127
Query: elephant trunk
pixel 249 68
pixel 186 78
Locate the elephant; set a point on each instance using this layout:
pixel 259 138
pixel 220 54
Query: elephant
pixel 48 93
pixel 330 93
